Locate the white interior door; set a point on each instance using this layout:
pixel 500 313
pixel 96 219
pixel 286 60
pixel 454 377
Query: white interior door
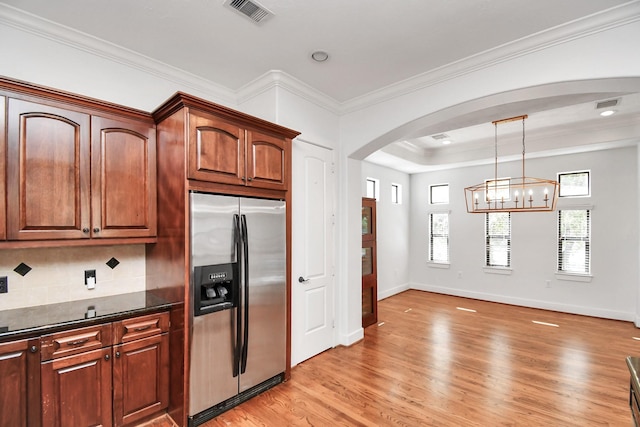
pixel 313 264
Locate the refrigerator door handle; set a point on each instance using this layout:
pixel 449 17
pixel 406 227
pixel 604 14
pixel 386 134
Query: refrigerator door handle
pixel 245 261
pixel 236 348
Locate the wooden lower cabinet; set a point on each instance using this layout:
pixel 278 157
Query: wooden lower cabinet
pixel 119 384
pixel 140 379
pixel 76 390
pixel 19 384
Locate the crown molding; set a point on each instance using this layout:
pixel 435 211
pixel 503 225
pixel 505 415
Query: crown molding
pixel 611 18
pixel 46 29
pixel 279 79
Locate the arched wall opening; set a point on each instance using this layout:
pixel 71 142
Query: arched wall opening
pixel 511 103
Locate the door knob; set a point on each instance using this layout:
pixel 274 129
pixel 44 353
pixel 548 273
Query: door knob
pixel 302 279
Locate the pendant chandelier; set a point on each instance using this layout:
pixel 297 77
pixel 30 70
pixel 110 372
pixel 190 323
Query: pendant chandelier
pixel 523 194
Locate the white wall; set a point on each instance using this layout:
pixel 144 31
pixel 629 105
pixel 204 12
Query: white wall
pixel 612 291
pixel 393 231
pixel 80 65
pixel 558 67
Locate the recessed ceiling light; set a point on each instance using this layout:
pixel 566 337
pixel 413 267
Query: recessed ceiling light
pixel 446 142
pixel 319 56
pixel 607 113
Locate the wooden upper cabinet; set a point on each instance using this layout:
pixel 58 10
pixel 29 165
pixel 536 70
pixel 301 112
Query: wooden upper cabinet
pixel 216 150
pixel 77 170
pixel 48 181
pixel 224 152
pixel 123 179
pixel 266 161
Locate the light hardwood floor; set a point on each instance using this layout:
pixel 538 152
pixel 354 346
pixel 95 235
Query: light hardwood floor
pixel 427 363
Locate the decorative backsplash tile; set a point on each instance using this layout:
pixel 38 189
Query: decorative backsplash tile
pixel 57 274
pixel 22 269
pixel 113 263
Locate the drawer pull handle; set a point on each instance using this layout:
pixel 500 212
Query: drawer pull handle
pixel 78 342
pixel 142 328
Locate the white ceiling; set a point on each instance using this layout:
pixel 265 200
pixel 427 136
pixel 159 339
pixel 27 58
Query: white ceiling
pixel 372 44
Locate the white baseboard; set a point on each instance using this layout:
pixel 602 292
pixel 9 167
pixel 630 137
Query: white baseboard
pixel 393 291
pixel 525 302
pixel 351 338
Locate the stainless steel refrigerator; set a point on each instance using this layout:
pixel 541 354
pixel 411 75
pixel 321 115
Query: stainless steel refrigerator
pixel 238 291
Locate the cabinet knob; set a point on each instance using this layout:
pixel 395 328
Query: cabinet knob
pixel 85 230
pixel 244 178
pixel 107 357
pixel 117 354
pixel 33 349
pixel 96 230
pixel 249 179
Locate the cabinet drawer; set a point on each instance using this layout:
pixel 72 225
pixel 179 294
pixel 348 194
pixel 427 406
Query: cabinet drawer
pixel 76 341
pixel 140 327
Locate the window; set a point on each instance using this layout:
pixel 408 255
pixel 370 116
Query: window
pixel 498 189
pixel 574 241
pixel 439 194
pixel 574 184
pixel 439 237
pixel 373 188
pixel 498 239
pixel 396 194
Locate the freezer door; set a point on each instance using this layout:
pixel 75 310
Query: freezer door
pixel 266 237
pixel 212 227
pixel 213 337
pixel 212 358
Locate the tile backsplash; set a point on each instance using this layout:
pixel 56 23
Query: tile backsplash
pixel 57 274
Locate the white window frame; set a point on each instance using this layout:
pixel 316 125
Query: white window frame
pixel 446 236
pixel 431 187
pixel 376 188
pixel 561 174
pixel 396 194
pixel 562 271
pixel 489 238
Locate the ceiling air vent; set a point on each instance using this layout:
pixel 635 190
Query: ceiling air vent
pixel 607 104
pixel 251 9
pixel 440 136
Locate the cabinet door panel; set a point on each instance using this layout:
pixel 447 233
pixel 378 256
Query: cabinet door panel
pixel 76 390
pixel 140 379
pixel 47 172
pixel 266 161
pixel 216 150
pixel 13 387
pixel 123 181
pixel 3 183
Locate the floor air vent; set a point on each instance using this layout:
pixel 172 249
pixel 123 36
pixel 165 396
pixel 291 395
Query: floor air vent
pixel 251 9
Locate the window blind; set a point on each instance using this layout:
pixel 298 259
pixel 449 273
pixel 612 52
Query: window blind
pixel 574 241
pixel 439 237
pixel 498 239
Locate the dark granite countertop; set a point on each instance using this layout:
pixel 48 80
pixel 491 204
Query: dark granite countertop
pixel 43 319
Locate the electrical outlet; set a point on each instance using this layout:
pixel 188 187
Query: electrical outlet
pixel 89 274
pixel 4 285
